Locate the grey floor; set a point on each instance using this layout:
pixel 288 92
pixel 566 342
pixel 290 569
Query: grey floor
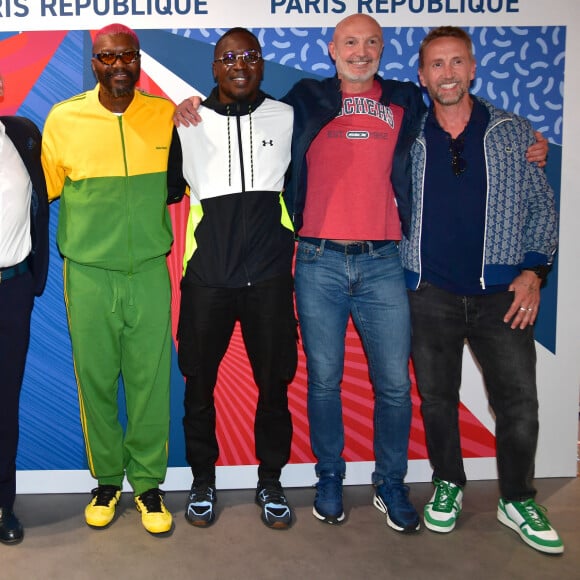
pixel 58 545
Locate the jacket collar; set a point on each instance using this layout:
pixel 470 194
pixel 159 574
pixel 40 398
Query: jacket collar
pixel 238 108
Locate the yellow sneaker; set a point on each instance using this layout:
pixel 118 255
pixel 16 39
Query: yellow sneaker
pixel 154 515
pixel 101 511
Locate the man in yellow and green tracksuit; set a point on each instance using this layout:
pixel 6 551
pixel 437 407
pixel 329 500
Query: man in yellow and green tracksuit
pixel 105 153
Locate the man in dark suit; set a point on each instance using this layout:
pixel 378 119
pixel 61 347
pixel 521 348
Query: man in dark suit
pixel 23 269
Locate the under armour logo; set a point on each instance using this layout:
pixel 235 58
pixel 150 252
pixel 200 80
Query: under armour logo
pixel 270 142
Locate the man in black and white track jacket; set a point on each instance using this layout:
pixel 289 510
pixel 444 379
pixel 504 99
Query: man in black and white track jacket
pixel 237 267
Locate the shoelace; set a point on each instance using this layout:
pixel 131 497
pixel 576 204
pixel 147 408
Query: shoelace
pixel 399 493
pixel 152 500
pixel 104 494
pixel 444 498
pixel 329 487
pixel 205 493
pixel 534 515
pixel 273 496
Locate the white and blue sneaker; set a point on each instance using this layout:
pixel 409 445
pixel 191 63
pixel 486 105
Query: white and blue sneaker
pixel 328 506
pixel 393 501
pixel 276 512
pixel 200 508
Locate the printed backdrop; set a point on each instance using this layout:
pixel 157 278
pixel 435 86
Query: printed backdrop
pixel 520 69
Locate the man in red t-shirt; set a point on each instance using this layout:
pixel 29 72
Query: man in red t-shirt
pixel 349 220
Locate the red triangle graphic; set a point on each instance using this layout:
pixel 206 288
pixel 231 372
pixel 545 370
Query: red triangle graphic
pixel 23 57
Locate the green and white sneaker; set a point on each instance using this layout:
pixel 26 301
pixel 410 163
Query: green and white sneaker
pixel 529 520
pixel 442 511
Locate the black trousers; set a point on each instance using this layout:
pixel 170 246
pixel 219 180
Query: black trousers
pixel 16 301
pixel 269 330
pixel 442 322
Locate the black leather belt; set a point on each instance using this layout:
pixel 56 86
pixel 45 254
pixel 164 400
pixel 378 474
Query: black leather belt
pixel 13 271
pixel 350 248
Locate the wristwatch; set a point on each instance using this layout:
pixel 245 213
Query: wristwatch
pixel 540 271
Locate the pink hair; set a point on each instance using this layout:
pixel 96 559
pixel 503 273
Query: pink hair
pixel 116 28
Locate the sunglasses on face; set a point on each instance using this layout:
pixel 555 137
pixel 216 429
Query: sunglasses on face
pixel 248 56
pixel 110 58
pixel 458 163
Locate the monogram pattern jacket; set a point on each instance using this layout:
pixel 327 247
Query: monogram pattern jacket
pixel 521 225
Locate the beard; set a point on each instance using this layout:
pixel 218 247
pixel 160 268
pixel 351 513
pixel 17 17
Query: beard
pixel 447 98
pixel 119 92
pixel 344 72
pixel 119 87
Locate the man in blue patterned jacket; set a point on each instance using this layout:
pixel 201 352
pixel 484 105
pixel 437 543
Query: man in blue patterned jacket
pixel 482 239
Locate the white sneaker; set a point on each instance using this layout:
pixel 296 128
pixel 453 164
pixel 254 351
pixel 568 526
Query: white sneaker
pixel 529 520
pixel 442 511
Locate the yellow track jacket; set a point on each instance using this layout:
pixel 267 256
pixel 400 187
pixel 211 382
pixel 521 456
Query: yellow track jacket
pixel 111 174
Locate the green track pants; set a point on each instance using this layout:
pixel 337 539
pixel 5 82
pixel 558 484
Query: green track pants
pixel 120 324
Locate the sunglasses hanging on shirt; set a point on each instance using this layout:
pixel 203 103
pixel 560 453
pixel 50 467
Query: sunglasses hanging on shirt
pixel 458 163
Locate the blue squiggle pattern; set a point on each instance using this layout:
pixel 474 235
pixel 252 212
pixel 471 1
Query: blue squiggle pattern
pixel 519 69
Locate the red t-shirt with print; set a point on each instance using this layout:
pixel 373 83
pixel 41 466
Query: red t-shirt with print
pixel 349 191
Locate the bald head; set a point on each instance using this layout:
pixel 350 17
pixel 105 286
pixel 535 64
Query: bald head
pixel 356 48
pixel 361 22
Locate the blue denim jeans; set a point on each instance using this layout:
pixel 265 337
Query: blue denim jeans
pixel 442 322
pixel 330 287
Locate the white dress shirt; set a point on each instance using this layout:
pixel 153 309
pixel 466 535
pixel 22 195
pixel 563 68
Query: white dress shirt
pixel 15 196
